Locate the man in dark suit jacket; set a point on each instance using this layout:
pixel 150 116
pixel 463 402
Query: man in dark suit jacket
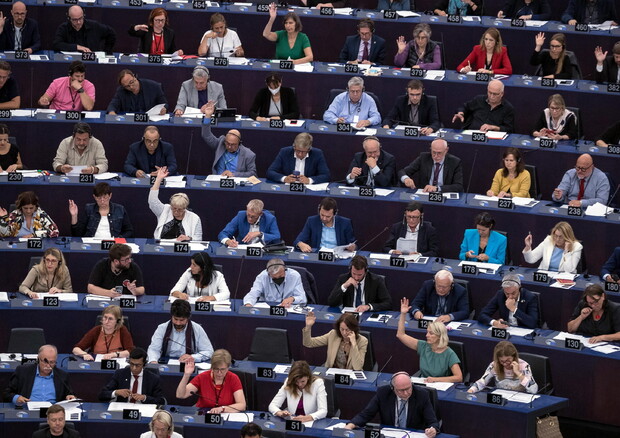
pixel 27 29
pixel 315 170
pixel 434 171
pixel 372 167
pixel 414 224
pixel 241 226
pixel 145 157
pixel 25 379
pixel 365 47
pixel 319 228
pixel 581 11
pixel 361 289
pixel 417 410
pixel 120 387
pixel 441 297
pixel 607 67
pixel 611 268
pixel 79 34
pixel 136 95
pixel 414 108
pixel 516 306
pixel 56 425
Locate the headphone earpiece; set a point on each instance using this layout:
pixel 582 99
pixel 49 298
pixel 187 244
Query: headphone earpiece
pixel 400 373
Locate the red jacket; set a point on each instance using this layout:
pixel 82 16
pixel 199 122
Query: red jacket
pixel 500 64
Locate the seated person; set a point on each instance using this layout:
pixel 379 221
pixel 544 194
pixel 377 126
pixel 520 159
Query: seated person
pixel 560 251
pixel 180 338
pixel 116 274
pixel 135 95
pixel 201 281
pixel 554 62
pixel 102 219
pixel 198 91
pixel 526 10
pixel 161 426
pixel 590 12
pixel 232 159
pixel 50 275
pixel 556 121
pixel 147 156
pixel 174 220
pixel 20 32
pixel 607 67
pixel 420 52
pixel 489 57
pixel 483 244
pixel 360 288
pixel 365 47
pixel 326 229
pixel 596 316
pixel 274 101
pixel 135 383
pixel 56 425
pixel 441 297
pixel 9 90
pixel 277 284
pixel 414 108
pixel 516 306
pixel 70 93
pixel 251 226
pixel 584 185
pixel 156 37
pixel 611 269
pixel 111 339
pixel 438 362
pixel 220 41
pixel 77 34
pixel 291 43
pixel 610 136
pixel 413 227
pixel 490 112
pixel 457 7
pixel 434 171
pixel 394 5
pixel 507 371
pixel 29 382
pixel 81 149
pixel 10 158
pixel 373 166
pixel 304 393
pixel 28 220
pixel 346 348
pixel 318 4
pixel 214 395
pixel 511 180
pixel 353 106
pixel 299 163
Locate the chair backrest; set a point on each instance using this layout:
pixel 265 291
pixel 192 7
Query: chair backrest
pixel 612 190
pixel 370 363
pixel 309 283
pixel 270 345
pixel 465 284
pixel 434 398
pixel 332 400
pixel 26 340
pixel 442 48
pixel 218 267
pixel 434 99
pixel 582 265
pixel 459 349
pixel 576 70
pixel 34 261
pixel 508 260
pixel 541 321
pixel 125 321
pixel 577 112
pixel 541 371
pixel 248 382
pixel 534 185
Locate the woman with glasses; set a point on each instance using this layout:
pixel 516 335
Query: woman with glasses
pixel 218 389
pixel 506 371
pixel 560 251
pixel 556 121
pixel 110 339
pixel 490 56
pixel 156 38
pixel 511 180
pixel 50 275
pixel 27 220
pixel 420 52
pixel 554 62
pixel 596 316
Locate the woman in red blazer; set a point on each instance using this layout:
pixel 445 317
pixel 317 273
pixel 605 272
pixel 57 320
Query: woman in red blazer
pixel 489 57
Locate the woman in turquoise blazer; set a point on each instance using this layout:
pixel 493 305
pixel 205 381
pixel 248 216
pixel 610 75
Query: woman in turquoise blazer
pixel 482 244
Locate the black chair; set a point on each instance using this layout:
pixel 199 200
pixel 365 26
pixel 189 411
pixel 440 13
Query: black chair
pixel 248 382
pixel 541 371
pixel 459 349
pixel 218 267
pixel 465 284
pixel 370 363
pixel 125 321
pixel 332 401
pixel 33 261
pixel 26 340
pixel 577 112
pixel 336 91
pixel 270 345
pixel 612 190
pixel 434 398
pixel 309 283
pixel 534 184
pixel 508 260
pixel 541 321
pixel 582 266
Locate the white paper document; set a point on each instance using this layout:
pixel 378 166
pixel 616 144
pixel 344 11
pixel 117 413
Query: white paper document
pixel 439 386
pixel 64 296
pixel 517 397
pixel 486 268
pixel 105 176
pixel 598 210
pixel 355 375
pixel 76 170
pixel 238 417
pixel 146 410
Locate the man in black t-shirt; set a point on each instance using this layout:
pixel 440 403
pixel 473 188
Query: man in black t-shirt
pixel 115 272
pixel 9 91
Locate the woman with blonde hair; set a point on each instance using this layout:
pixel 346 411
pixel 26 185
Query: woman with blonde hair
pixel 560 251
pixel 50 275
pixel 111 338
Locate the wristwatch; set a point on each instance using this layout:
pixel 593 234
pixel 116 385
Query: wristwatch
pixel 118 354
pixel 81 90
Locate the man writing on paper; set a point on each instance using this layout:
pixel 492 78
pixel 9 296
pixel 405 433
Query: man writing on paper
pixel 251 226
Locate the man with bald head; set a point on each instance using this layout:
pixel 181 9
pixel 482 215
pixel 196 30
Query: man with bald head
pixel 490 112
pixel 231 157
pixel 583 186
pixel 18 32
pixel 145 157
pixel 434 171
pixel 78 34
pixel 373 167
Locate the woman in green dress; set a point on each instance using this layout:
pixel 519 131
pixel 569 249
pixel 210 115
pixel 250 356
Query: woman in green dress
pixel 291 43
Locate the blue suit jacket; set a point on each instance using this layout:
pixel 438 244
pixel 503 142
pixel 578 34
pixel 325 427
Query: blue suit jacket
pixel 612 265
pixel 30 35
pixel 151 386
pixel 496 247
pixel 284 165
pixel 138 158
pixel 457 301
pixel 238 227
pixel 349 51
pixel 313 229
pixel 526 314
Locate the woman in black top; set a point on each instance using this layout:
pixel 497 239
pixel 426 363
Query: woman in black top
pixel 555 63
pixel 596 316
pixel 10 160
pixel 274 101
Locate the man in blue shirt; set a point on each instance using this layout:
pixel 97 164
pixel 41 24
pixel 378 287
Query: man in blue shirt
pixel 353 106
pixel 583 186
pixel 326 229
pixel 276 284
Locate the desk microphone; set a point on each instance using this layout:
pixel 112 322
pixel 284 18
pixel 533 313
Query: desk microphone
pixel 169 338
pixel 374 238
pixel 381 370
pixel 237 285
pixel 547 385
pixel 473 165
pixel 189 150
pixel 610 200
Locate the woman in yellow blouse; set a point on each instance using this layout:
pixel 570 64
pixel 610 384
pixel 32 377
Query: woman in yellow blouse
pixel 512 179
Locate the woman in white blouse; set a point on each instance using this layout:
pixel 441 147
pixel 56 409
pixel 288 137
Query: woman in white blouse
pixel 560 251
pixel 306 399
pixel 201 280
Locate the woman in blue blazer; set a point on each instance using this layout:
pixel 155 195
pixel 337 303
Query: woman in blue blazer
pixel 482 244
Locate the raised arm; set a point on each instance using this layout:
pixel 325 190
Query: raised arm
pixel 267 33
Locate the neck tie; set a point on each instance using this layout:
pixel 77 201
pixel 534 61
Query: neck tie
pixel 358 295
pixel 436 174
pixel 18 38
pixel 134 388
pixel 401 421
pixel 365 52
pixel 582 188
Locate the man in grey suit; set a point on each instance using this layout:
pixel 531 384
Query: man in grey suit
pixel 434 171
pixel 231 157
pixel 199 90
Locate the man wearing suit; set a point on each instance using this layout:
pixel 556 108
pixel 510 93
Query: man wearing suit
pixel 400 404
pixel 299 163
pixel 360 288
pixel 413 227
pixel 56 425
pixel 134 383
pixel 517 307
pixel 611 268
pixel 231 157
pixel 441 297
pixel 19 32
pixel 414 108
pixel 373 167
pixel 136 95
pixel 198 91
pixel 40 381
pixel 590 12
pixel 145 157
pixel 365 47
pixel 326 229
pixel 608 67
pixel 251 226
pixel 434 171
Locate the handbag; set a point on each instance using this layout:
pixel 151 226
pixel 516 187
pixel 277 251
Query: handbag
pixel 548 427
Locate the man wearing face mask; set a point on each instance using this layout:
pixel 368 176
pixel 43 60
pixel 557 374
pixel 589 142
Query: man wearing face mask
pixel 276 285
pixel 198 91
pixel 180 338
pixel 146 157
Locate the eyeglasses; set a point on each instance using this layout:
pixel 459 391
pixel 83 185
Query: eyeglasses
pixel 555 108
pixel 593 300
pixel 413 217
pixel 51 261
pixel 437 153
pixel 582 169
pixel 77 20
pixel 49 362
pixel 219 370
pixel 159 20
pixel 555 46
pixel 151 141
